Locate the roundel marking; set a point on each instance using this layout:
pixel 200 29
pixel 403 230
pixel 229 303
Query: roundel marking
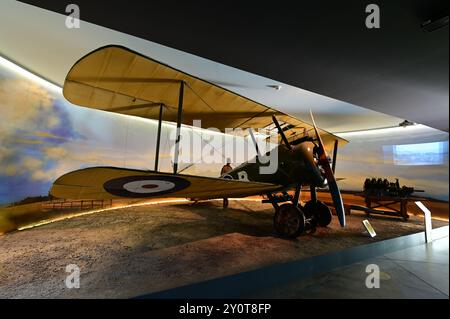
pixel 145 186
pixel 148 186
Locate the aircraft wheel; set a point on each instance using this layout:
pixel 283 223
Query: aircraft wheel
pixel 289 221
pixel 320 212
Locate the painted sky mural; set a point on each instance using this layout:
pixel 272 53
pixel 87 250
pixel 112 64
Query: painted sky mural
pixel 42 136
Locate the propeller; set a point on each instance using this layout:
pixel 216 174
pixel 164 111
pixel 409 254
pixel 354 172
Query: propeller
pixel 332 184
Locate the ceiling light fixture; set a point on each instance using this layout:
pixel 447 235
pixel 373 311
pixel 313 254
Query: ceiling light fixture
pixel 406 123
pixel 275 86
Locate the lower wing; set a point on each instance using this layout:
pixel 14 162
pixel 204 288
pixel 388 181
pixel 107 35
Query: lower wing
pixel 99 183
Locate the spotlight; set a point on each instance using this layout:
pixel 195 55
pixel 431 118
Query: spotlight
pixel 433 25
pixel 406 123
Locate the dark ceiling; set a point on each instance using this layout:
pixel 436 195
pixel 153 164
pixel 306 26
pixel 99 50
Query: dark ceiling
pixel 320 46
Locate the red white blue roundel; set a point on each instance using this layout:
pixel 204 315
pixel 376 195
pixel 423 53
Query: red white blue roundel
pixel 145 186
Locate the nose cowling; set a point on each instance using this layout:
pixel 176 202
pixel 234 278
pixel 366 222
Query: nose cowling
pixel 305 152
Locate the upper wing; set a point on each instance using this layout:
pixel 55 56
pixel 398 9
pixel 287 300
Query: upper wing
pixel 116 79
pixel 98 183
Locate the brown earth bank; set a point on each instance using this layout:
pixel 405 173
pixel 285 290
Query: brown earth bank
pixel 21 216
pixel 130 251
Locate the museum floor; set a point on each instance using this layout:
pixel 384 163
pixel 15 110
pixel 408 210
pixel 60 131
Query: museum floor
pixel 135 251
pixel 417 272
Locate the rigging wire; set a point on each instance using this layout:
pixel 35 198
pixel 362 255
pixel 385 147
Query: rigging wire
pixel 198 95
pixel 195 162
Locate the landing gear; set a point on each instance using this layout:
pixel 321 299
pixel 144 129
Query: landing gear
pixel 289 220
pixel 318 211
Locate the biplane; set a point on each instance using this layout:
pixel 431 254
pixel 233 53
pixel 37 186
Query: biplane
pixel 117 79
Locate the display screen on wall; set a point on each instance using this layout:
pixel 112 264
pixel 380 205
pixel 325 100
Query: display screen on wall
pixel 416 154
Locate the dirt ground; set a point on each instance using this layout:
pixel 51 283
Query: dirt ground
pixel 131 251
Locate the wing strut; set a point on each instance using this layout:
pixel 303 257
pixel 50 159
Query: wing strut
pixel 158 137
pixel 280 131
pixel 258 154
pixel 179 120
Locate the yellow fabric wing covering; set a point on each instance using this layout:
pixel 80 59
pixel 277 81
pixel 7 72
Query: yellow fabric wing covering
pixel 99 183
pixel 116 79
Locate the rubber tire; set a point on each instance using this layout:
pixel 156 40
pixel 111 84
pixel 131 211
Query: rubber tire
pixel 289 221
pixel 321 213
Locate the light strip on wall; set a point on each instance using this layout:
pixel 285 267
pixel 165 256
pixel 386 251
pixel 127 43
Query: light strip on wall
pixel 387 130
pixel 29 75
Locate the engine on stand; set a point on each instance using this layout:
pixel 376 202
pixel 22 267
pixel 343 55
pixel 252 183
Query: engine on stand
pixel 383 187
